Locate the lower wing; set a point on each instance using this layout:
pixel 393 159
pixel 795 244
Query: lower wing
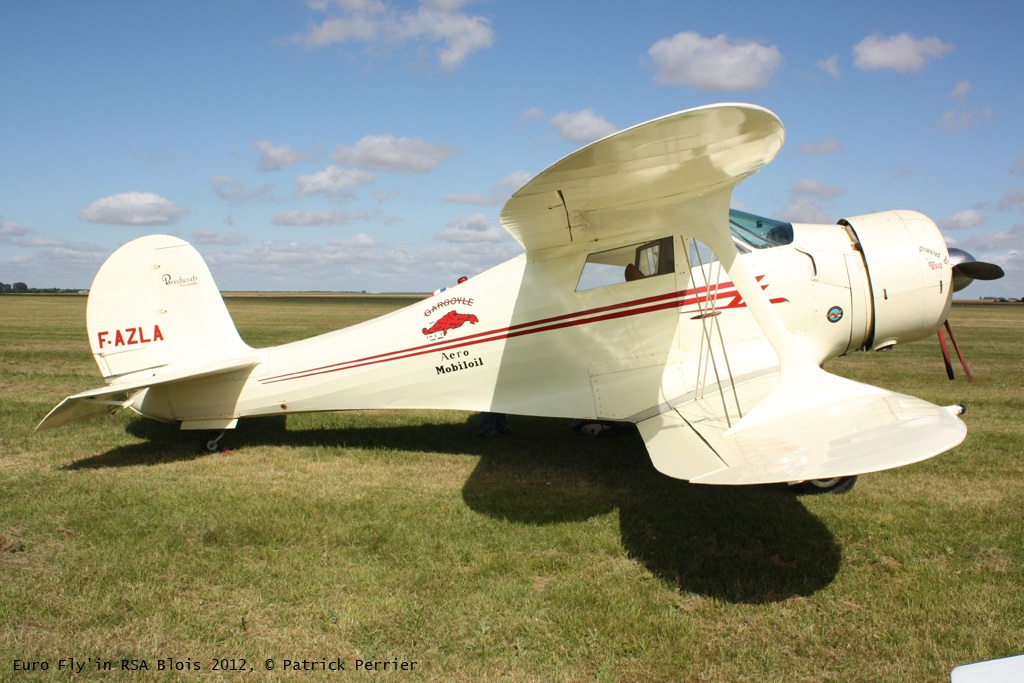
pixel 818 427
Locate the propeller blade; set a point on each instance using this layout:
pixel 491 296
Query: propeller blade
pixel 967 269
pixel 978 270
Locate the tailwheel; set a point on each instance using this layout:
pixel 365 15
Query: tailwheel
pixel 211 442
pixel 834 485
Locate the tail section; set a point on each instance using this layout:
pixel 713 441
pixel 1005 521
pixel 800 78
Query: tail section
pixel 154 304
pixel 155 317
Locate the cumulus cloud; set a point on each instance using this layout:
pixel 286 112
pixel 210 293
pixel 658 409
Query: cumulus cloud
pixel 902 53
pixel 440 25
pixel 11 229
pixel 132 208
pixel 475 228
pixel 826 146
pixel 395 155
pixel 499 193
pixel 714 64
pixel 316 218
pixel 531 114
pixel 234 191
pixel 804 210
pixel 811 187
pixel 960 91
pixel 335 182
pixel 1012 198
pixel 830 66
pixel 1012 239
pixel 275 157
pixel 954 120
pixel 212 237
pixel 582 127
pixel 968 218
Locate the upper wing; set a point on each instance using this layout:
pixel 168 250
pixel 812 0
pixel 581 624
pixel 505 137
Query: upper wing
pixel 647 176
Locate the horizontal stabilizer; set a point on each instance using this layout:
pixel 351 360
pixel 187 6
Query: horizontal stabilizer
pixel 848 429
pixel 120 394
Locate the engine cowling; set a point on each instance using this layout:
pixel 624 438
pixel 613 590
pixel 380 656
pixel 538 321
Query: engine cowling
pixel 909 272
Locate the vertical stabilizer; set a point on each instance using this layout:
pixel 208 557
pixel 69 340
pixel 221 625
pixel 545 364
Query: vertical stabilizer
pixel 154 303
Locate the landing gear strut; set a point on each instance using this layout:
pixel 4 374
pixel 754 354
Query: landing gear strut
pixel 835 485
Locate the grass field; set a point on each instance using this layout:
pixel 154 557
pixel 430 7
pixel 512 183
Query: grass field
pixel 401 537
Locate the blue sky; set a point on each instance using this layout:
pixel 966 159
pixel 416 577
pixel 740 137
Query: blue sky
pixel 370 144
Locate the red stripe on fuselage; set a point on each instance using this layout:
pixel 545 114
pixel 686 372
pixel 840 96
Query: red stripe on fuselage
pixel 621 310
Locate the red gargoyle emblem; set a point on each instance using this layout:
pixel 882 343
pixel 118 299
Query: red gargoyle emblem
pixel 450 321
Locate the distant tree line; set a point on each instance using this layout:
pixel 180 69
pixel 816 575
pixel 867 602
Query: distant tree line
pixel 22 288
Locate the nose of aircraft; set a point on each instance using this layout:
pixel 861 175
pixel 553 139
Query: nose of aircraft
pixel 909 272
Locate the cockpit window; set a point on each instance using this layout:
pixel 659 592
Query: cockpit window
pixel 625 264
pixel 759 232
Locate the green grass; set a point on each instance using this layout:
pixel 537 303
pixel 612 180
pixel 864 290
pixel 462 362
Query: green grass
pixel 545 557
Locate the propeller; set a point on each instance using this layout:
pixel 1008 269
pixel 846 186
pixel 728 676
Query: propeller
pixel 966 269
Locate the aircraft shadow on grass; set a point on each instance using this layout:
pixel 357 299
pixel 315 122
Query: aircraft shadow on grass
pixel 747 544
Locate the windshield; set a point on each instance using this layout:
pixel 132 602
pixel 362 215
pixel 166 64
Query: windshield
pixel 759 232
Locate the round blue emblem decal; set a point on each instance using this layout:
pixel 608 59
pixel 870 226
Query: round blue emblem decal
pixel 835 314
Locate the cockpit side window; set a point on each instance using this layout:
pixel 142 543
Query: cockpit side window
pixel 628 263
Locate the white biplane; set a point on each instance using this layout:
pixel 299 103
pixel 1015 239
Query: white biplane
pixel 640 298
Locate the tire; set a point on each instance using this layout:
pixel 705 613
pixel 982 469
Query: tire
pixel 836 485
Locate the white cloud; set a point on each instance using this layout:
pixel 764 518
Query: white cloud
pixel 212 237
pixel 829 66
pixel 9 229
pixel 438 24
pixel 1012 198
pixel 475 228
pixel 275 157
pixel 234 191
pixel 826 146
pixel 902 53
pixel 714 64
pixel 335 182
pixel 814 188
pixel 968 218
pixel 1018 166
pixel 582 127
pixel 395 155
pixel 316 218
pixel 531 114
pixel 382 196
pixel 499 193
pixel 803 210
pixel 953 120
pixel 1012 239
pixel 132 208
pixel 960 91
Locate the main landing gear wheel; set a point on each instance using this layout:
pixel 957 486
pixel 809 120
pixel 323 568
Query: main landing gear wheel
pixel 211 442
pixel 835 485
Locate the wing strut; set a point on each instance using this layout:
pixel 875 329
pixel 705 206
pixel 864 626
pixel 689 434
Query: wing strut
pixel 709 316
